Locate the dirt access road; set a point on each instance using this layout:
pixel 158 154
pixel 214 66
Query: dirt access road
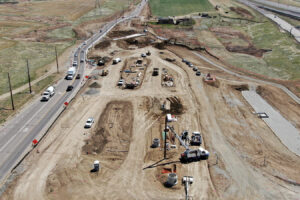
pixel 252 163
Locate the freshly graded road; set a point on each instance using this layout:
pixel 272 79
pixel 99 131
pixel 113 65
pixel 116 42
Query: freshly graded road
pixel 284 130
pixel 33 121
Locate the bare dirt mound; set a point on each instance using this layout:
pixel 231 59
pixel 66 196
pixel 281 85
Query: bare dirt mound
pixel 122 33
pixel 176 106
pixel 109 144
pixel 228 36
pixel 251 50
pixel 114 128
pixel 102 45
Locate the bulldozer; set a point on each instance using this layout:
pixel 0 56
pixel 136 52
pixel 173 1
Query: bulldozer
pixel 196 139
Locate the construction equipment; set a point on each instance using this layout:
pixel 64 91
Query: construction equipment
pixel 96 166
pixel 209 78
pixel 196 139
pixel 155 143
pixel 190 155
pixel 185 136
pixel 104 72
pixel 187 181
pixel 178 137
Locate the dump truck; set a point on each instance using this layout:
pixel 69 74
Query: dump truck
pixel 196 139
pixel 49 92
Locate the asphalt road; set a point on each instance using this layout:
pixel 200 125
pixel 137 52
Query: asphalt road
pixel 32 122
pixel 278 5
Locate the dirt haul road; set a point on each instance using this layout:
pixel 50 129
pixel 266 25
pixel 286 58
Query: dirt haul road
pixel 252 163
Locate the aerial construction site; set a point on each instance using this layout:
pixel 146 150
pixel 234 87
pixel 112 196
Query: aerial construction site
pixel 167 119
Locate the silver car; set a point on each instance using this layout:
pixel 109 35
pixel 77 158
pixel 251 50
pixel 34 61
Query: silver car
pixel 89 123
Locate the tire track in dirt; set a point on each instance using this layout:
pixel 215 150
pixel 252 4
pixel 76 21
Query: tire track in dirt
pixel 186 82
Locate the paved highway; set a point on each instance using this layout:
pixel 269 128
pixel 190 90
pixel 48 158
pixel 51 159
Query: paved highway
pixel 278 5
pixel 33 121
pixel 283 24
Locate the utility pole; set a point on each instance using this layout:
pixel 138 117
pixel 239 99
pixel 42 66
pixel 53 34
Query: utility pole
pixel 56 60
pixel 11 95
pixel 28 73
pixel 165 132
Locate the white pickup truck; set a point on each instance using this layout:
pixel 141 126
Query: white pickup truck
pixel 49 92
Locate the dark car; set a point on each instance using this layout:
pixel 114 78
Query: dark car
pixel 78 76
pixel 198 73
pixel 69 88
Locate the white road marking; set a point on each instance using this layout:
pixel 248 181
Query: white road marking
pixel 12 138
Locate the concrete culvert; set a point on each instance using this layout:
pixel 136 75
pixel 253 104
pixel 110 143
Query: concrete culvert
pixel 172 180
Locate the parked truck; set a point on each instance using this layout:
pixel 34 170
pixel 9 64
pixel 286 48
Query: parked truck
pixel 196 139
pixel 192 155
pixel 71 73
pixel 49 92
pixel 155 72
pixel 116 61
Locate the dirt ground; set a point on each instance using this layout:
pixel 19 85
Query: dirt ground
pixel 247 160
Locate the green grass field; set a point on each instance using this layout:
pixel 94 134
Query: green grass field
pixel 14 49
pixel 22 97
pixel 165 8
pixel 13 60
pixel 281 62
pixel 284 59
